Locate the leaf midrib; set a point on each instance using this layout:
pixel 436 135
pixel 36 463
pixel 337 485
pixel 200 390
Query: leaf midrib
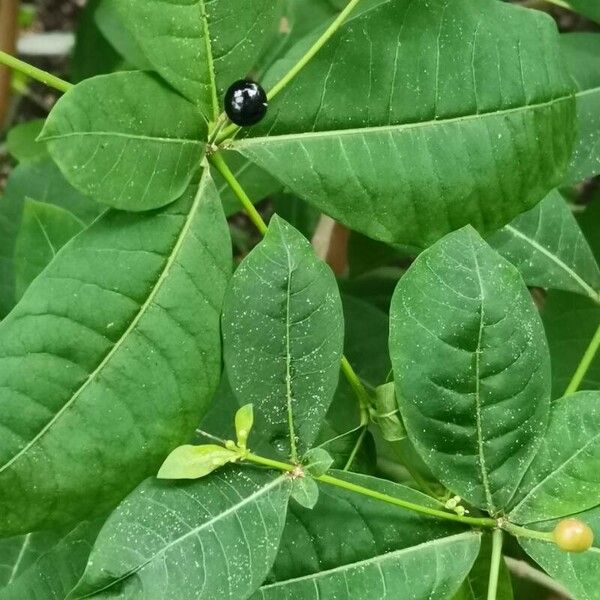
pixel 246 142
pixel 482 462
pixel 372 561
pixel 211 62
pixel 144 307
pixel 589 290
pixel 19 559
pixel 129 136
pixel 231 510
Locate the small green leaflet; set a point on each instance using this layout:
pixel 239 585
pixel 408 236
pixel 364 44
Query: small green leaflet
pixel 194 462
pixel 564 478
pixel 214 538
pixel 283 334
pixel 305 492
pixel 317 461
pixel 471 367
pixel 244 421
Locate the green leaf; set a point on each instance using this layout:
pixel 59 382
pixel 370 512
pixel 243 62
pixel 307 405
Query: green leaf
pixel 375 288
pixel 564 479
pixel 407 150
pixel 55 571
pixel 589 8
pixel 475 586
pixel 123 155
pixel 200 47
pixel 19 552
pixel 386 414
pixel 570 322
pixel 114 30
pixel 579 573
pixel 317 461
pixel 194 462
pixel 41 181
pixel 92 54
pixel 365 346
pixel 549 249
pixel 297 213
pixel 212 538
pixel 351 546
pixel 471 367
pixel 77 433
pixel 44 230
pixel 21 141
pixel 581 51
pixel 244 421
pixel 283 335
pixel 305 492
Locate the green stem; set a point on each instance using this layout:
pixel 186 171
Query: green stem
pixel 329 32
pixel 359 489
pixel 217 160
pixel 38 74
pixel 359 389
pixel 518 531
pixel 357 446
pixel 306 58
pixel 495 564
pixel 585 363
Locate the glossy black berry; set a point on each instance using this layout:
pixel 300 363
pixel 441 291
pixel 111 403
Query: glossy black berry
pixel 245 103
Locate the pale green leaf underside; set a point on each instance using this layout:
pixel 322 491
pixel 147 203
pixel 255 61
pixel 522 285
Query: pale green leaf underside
pixel 19 552
pixel 283 335
pixel 200 46
pixel 398 574
pixel 137 149
pixel 549 249
pixel 355 540
pixel 357 527
pixel 579 573
pixel 44 230
pixel 564 477
pixel 471 367
pixel 148 291
pixel 56 569
pixel 213 538
pixel 416 117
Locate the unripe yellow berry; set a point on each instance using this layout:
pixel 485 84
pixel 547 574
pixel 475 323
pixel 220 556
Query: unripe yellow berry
pixel 573 535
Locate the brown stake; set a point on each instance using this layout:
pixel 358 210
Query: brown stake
pixel 9 13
